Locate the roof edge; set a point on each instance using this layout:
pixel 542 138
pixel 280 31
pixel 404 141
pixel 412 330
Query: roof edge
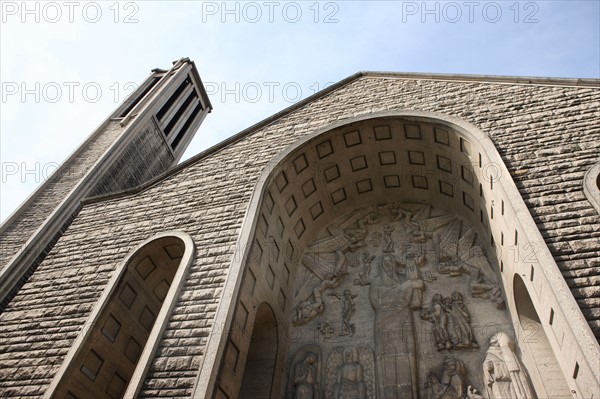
pixel 526 80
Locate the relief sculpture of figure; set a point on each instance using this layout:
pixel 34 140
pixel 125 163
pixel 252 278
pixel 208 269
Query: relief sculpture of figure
pixel 437 315
pixel 388 243
pixel 462 333
pixel 305 377
pixel 349 382
pixel 348 310
pixel 451 385
pixel 313 306
pixel 503 373
pixel 394 295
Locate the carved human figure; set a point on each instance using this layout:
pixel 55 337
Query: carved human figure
pixel 437 315
pixel 364 276
pixel 394 295
pixel 348 310
pixel 503 373
pixel 356 236
pixel 349 383
pixel 451 385
pixel 305 377
pixel 388 243
pixel 313 306
pixel 460 320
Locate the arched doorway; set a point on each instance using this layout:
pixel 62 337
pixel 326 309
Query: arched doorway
pixel 536 342
pixel 260 363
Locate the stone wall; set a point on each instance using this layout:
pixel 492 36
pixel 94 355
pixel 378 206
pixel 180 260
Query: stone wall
pixel 547 135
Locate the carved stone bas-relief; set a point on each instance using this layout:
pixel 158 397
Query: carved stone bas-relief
pixel 350 373
pixel 348 309
pixel 305 375
pixel 413 289
pixel 505 375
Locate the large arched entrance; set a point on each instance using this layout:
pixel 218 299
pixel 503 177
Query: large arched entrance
pixel 430 184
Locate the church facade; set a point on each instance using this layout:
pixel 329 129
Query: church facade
pixel 393 236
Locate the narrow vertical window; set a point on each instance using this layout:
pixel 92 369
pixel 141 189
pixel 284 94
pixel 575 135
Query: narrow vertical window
pixel 111 356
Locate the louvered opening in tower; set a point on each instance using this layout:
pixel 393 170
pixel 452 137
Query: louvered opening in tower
pixel 137 97
pixel 178 113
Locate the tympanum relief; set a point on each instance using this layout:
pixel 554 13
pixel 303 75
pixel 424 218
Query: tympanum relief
pixel 401 302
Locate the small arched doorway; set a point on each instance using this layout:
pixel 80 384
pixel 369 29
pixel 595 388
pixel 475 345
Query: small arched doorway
pixel 537 343
pixel 260 363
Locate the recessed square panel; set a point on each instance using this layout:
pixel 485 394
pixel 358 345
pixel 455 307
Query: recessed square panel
pixel 116 387
pixel 263 225
pixel 391 181
pixel 358 163
pixel 147 318
pixel 316 210
pixel 364 186
pixel 308 188
pixel 352 138
pixel 416 157
pixel 300 163
pixel 382 132
pixel 465 146
pixel 133 350
pixel 331 173
pixel 256 252
pixel 242 316
pixel 286 273
pixel 444 163
pixel 221 394
pixel 290 251
pixel 250 283
pixel 91 365
pixel 299 228
pixel 270 276
pixel 387 157
pixel 290 205
pixel 145 267
pixel 275 251
pixel 161 290
pixel 174 251
pixel 280 227
pixel 281 181
pixel 338 196
pixel 231 356
pixel 324 149
pixel 466 174
pixel 412 132
pixel 468 201
pixel 281 300
pixel 446 188
pixel 419 182
pixel 127 296
pixel 441 136
pixel 111 328
pixel 269 202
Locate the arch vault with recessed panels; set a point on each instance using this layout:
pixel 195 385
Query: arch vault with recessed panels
pixel 414 158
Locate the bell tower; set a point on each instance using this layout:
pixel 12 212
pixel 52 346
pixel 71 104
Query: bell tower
pixel 144 137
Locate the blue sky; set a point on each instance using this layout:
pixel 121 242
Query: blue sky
pixel 65 66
